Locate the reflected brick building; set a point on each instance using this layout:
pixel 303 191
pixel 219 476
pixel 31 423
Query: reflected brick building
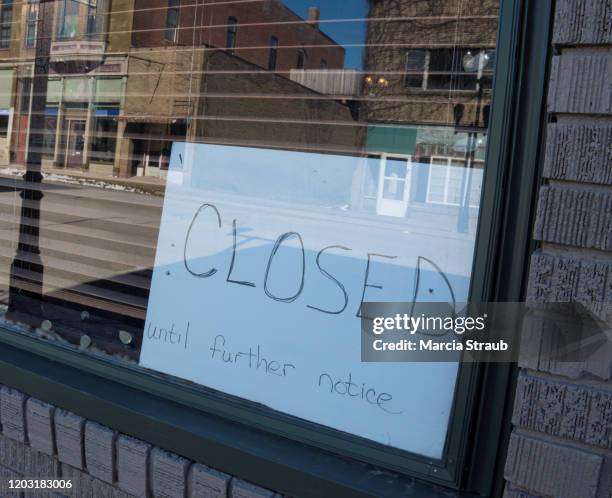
pixel 433 58
pixel 426 98
pixel 265 33
pixel 127 78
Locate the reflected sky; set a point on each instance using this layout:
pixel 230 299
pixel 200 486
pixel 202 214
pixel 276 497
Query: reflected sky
pixel 344 33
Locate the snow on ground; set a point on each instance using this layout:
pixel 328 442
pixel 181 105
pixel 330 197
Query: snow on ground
pixel 74 180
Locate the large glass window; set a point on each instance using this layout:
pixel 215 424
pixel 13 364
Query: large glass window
pixel 220 213
pixel 104 135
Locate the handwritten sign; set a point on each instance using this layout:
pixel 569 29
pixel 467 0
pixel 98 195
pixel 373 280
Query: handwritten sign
pixel 263 260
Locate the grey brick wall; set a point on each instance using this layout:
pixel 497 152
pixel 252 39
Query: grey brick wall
pixel 561 446
pixel 41 441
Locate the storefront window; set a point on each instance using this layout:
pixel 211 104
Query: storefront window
pixel 104 136
pixel 219 210
pixel 51 114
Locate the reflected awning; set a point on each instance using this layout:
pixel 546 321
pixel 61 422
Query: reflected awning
pixel 391 139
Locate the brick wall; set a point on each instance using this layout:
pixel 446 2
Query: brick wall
pixel 41 441
pixel 257 22
pixel 561 445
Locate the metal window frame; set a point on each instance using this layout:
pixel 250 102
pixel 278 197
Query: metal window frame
pixel 300 458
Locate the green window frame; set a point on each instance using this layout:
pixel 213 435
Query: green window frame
pixel 296 457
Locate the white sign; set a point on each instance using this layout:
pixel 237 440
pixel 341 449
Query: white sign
pixel 263 260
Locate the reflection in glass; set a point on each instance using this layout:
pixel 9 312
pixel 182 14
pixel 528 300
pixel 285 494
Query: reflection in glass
pixel 363 124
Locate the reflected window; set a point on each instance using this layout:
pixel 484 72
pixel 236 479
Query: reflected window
pixel 4 122
pixel 92 17
pixel 301 57
pixel 232 30
pixel 104 138
pixel 272 58
pixel 50 132
pixel 6 19
pixel 416 63
pixel 172 20
pixel 453 180
pixel 69 23
pixel 32 23
pixel 447 68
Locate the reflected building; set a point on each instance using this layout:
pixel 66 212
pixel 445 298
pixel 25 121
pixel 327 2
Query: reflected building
pixel 427 82
pixel 128 78
pixel 221 72
pixel 87 72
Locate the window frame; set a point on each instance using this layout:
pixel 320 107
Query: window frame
pixel 285 453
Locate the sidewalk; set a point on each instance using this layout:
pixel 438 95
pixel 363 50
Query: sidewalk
pixel 147 184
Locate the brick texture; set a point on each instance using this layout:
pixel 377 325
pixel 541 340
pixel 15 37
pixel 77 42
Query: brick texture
pixel 168 474
pixel 100 463
pixel 25 460
pixel 510 492
pixel 545 468
pixel 86 486
pixel 570 277
pixel 69 438
pixel 574 411
pixel 579 152
pixel 542 342
pixel 204 482
pixel 583 22
pixel 132 466
pixel 575 216
pixel 587 91
pixel 12 413
pixel 100 451
pixel 41 432
pixel 242 489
